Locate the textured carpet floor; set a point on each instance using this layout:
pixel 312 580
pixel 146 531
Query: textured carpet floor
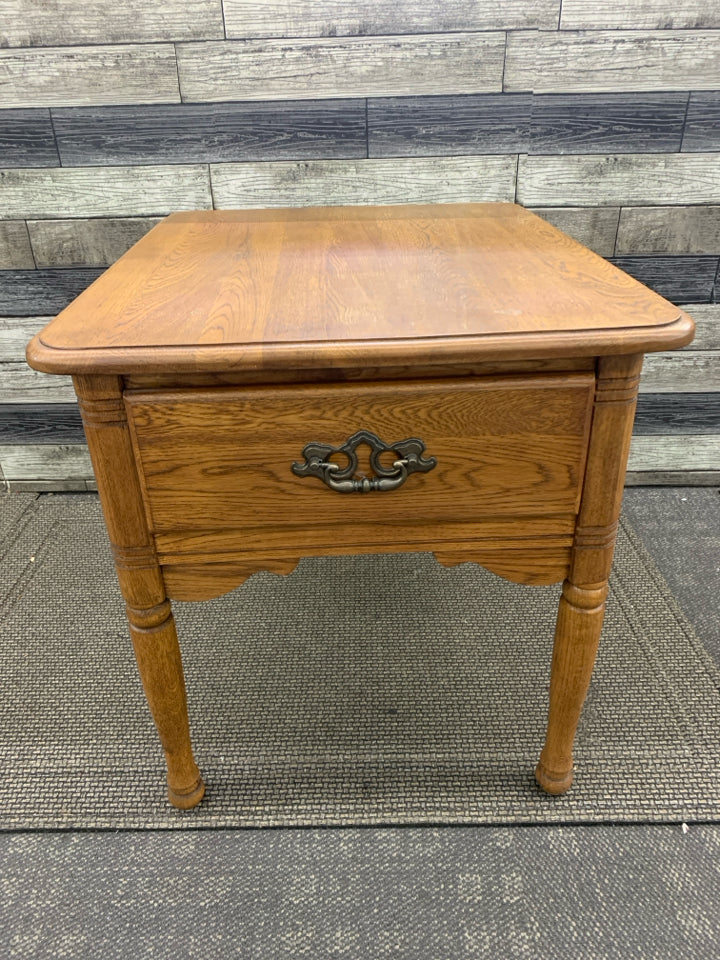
pixel 361 690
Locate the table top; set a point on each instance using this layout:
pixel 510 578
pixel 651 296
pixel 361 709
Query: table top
pixel 351 286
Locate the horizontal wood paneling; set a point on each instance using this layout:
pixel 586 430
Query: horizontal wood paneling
pixel 49 24
pixel 432 126
pixel 337 18
pixel 25 292
pixel 707 326
pixel 680 279
pixel 702 127
pixel 682 372
pixel 608 122
pixel 34 423
pixel 15 334
pixel 675 453
pixel 20 384
pixel 110 191
pixel 677 413
pixel 46 462
pixel 26 139
pixel 595 227
pixel 199 133
pixel 595 60
pixel 672 478
pixel 333 182
pixel 81 243
pixel 71 76
pixel 639 14
pixel 630 179
pixel 669 230
pixel 15 252
pixel 347 67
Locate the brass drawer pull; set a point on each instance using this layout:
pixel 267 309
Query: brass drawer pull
pixel 410 460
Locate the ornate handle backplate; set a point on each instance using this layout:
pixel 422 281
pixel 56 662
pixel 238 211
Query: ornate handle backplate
pixel 409 460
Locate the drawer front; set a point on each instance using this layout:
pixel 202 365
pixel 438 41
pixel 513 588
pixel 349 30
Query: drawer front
pixel 222 459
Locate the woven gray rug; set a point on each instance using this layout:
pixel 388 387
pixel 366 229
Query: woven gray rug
pixel 358 690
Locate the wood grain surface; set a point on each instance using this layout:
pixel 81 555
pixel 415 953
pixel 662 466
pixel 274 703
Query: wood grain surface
pixel 222 459
pixel 594 227
pixel 622 60
pixel 702 126
pixel 20 384
pixel 486 123
pixel 681 279
pixel 353 285
pixel 71 76
pixel 103 21
pixel 27 139
pixel 24 292
pixel 695 371
pixel 669 230
pixel 110 191
pixel 330 18
pixel 15 250
pixel 660 414
pixel 675 453
pixel 341 182
pixel 341 67
pixel 632 179
pixel 638 15
pixel 39 423
pixel 85 242
pixel 204 133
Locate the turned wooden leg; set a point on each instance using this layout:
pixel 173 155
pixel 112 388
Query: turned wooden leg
pixel 582 605
pixel 577 635
pixel 158 658
pixel 152 626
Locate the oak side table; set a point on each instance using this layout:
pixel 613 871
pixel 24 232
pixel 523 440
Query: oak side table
pixel 261 386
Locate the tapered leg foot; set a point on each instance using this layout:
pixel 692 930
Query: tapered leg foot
pixel 577 634
pixel 158 658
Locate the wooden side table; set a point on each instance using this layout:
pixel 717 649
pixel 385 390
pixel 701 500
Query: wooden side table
pixel 260 386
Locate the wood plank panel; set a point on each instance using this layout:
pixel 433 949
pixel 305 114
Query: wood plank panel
pixel 707 326
pixel 85 243
pixel 337 182
pixel 675 453
pixel 669 230
pixel 31 292
pixel 483 123
pixel 72 76
pixel 702 127
pixel 596 60
pixel 341 67
pixel 681 372
pixel 106 21
pixel 595 227
pixel 661 414
pixel 40 461
pixel 672 478
pixel 680 279
pixel 337 18
pixel 15 250
pixel 109 191
pixel 27 139
pixel 16 333
pixel 629 179
pixel 204 133
pixel 20 384
pixel 639 15
pixel 23 423
pixel 608 122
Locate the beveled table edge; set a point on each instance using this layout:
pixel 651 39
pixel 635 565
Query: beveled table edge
pixel 354 354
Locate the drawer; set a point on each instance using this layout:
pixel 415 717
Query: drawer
pixel 216 465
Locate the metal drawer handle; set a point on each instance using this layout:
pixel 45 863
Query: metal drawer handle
pixel 410 460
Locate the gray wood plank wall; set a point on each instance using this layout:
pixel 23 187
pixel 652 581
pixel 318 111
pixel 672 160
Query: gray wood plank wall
pixel 602 118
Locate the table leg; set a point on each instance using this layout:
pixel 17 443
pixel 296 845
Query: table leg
pixel 152 626
pixel 158 658
pixel 582 605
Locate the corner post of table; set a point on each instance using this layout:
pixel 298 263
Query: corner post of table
pixel 582 605
pixel 152 626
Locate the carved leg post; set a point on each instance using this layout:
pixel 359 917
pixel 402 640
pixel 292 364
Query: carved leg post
pixel 151 622
pixel 582 605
